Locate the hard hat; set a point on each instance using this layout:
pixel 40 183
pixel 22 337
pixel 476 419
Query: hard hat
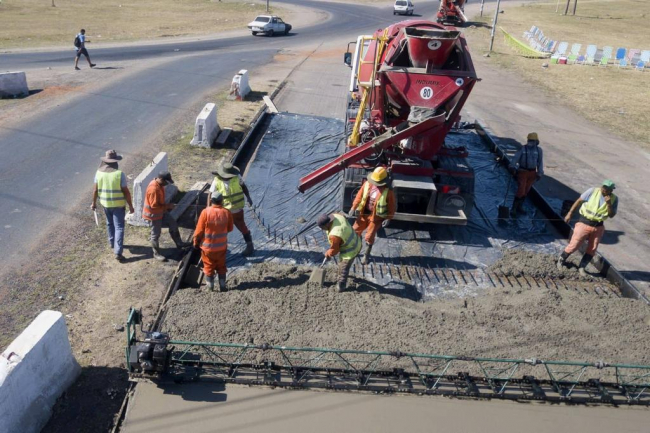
pixel 378 177
pixel 533 136
pixel 609 184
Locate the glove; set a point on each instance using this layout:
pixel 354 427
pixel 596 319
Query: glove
pixel 385 223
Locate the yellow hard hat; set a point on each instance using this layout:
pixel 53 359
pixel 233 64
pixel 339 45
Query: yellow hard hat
pixel 533 136
pixel 378 177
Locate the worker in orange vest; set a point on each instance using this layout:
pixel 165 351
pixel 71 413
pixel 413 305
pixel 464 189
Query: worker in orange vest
pixel 211 237
pixel 375 206
pixel 155 210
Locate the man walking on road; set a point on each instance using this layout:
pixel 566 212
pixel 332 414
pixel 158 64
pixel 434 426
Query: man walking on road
pixel 155 210
pixel 211 237
pixel 229 183
pixel 528 166
pixel 113 193
pixel 375 204
pixel 80 45
pixel 596 205
pixel 343 241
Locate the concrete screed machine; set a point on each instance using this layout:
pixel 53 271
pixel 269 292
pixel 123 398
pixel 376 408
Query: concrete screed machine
pixel 409 83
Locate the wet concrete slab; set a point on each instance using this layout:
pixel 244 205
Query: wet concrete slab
pixel 213 407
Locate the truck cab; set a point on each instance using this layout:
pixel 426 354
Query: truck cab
pixel 403 7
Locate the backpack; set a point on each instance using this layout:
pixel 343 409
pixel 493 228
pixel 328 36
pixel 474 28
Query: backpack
pixel 77 42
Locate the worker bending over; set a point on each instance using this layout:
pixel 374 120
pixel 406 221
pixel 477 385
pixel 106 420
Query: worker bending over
pixel 596 205
pixel 211 237
pixel 528 166
pixel 375 204
pixel 155 210
pixel 343 241
pixel 233 189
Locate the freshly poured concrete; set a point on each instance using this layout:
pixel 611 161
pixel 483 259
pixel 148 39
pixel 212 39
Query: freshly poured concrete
pixel 208 407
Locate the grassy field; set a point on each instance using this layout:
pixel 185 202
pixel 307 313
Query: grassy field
pixel 615 98
pixel 35 23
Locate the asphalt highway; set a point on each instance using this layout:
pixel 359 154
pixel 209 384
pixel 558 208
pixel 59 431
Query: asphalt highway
pixel 47 164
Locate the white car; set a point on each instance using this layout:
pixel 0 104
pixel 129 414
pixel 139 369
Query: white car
pixel 269 25
pixel 403 7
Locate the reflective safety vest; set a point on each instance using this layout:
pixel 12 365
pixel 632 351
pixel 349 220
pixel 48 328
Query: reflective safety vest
pixel 233 195
pixel 381 205
pixel 215 237
pixel 351 242
pixel 592 210
pixel 109 189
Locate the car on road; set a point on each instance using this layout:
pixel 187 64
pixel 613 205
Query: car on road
pixel 403 7
pixel 269 25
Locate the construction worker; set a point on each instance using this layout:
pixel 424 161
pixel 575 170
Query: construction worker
pixel 528 166
pixel 229 183
pixel 596 205
pixel 113 193
pixel 155 210
pixel 375 204
pixel 343 241
pixel 211 237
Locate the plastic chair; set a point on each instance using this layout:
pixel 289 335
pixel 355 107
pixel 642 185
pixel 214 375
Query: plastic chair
pixel 575 52
pixel 645 56
pixel 590 55
pixel 622 63
pixel 631 54
pixel 620 54
pixel 640 66
pixel 606 55
pixel 560 52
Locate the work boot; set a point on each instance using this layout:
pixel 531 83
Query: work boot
pixel 561 260
pixel 156 252
pixel 340 287
pixel 583 264
pixel 250 248
pixel 520 205
pixel 210 282
pixel 222 283
pixel 516 206
pixel 366 254
pixel 176 237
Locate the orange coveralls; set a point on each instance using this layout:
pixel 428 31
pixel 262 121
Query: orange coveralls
pixel 211 236
pixel 367 218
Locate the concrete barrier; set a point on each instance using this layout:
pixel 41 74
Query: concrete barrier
pixel 35 370
pixel 239 87
pixel 140 185
pixel 206 127
pixel 13 84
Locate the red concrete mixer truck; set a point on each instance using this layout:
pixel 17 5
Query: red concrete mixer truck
pixel 408 85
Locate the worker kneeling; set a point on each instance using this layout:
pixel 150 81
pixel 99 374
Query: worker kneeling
pixel 375 204
pixel 211 237
pixel 343 241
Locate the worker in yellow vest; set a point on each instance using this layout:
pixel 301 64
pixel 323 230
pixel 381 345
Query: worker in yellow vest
pixel 114 195
pixel 229 183
pixel 375 206
pixel 343 242
pixel 596 206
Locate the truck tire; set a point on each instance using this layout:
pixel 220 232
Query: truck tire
pixel 286 31
pixel 254 33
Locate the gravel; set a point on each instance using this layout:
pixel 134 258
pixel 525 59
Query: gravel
pixel 276 304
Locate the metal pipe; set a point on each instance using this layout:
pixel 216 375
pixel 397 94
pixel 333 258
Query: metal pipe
pixel 494 25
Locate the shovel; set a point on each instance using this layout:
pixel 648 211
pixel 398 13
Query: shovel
pixel 504 211
pixel 194 274
pixel 318 274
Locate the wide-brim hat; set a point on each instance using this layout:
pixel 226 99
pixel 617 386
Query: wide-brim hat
pixel 111 157
pixel 226 171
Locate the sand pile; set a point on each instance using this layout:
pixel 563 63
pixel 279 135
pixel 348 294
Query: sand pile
pixel 275 304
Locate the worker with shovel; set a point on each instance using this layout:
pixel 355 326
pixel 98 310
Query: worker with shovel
pixel 596 205
pixel 375 207
pixel 343 242
pixel 528 166
pixel 211 237
pixel 114 195
pixel 230 185
pixel 156 210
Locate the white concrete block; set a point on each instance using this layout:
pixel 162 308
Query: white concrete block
pixel 239 87
pixel 140 185
pixel 13 84
pixel 206 127
pixel 35 370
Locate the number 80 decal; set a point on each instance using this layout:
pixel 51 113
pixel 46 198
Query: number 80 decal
pixel 426 93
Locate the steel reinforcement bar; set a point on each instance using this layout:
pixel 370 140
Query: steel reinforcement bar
pixel 423 374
